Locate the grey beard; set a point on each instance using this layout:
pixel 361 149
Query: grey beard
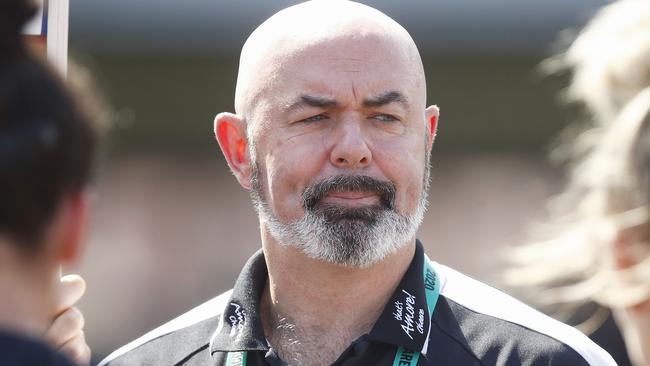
pixel 353 237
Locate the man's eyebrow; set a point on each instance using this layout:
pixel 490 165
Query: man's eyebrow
pixel 306 100
pixel 386 98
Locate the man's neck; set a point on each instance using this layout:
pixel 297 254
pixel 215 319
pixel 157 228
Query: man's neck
pixel 311 307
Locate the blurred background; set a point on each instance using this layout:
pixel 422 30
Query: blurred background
pixel 171 226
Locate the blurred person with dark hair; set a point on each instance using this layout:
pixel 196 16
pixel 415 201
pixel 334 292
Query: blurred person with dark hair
pixel 332 137
pixel 596 245
pixel 46 152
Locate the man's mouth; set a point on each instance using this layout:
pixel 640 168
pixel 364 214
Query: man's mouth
pixel 351 199
pixel 355 192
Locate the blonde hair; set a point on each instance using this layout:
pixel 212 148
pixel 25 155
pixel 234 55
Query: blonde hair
pixel 610 59
pixel 608 196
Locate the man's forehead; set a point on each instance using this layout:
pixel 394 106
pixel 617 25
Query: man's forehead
pixel 365 47
pixel 348 64
pixel 371 60
pixel 334 73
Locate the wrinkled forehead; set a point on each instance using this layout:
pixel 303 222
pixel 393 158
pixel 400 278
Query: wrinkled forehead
pixel 344 64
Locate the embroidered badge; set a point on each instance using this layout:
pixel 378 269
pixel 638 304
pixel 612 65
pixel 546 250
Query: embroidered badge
pixel 237 319
pixel 411 319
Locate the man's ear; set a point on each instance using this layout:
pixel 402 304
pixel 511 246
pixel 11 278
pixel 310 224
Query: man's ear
pixel 432 114
pixel 68 228
pixel 230 131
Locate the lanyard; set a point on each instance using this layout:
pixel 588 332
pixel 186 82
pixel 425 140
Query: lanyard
pixel 403 356
pixel 236 358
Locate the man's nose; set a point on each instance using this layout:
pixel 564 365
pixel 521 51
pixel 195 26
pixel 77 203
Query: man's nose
pixel 350 148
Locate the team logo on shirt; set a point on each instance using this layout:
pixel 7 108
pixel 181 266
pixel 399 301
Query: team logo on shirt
pixel 237 318
pixel 411 319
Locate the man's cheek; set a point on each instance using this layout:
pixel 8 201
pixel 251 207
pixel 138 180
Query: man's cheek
pixel 284 194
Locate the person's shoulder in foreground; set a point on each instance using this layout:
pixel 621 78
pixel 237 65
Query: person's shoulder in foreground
pixel 472 324
pixel 17 350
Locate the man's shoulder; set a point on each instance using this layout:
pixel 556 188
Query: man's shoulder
pixel 175 340
pixel 490 324
pixel 17 350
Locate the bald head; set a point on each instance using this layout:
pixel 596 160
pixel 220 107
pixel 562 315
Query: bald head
pixel 356 34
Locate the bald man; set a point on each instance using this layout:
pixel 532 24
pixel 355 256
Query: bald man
pixel 332 137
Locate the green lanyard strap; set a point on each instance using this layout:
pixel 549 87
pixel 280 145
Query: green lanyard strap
pixel 236 358
pixel 403 356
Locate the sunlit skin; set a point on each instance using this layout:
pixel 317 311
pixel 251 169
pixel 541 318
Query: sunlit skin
pixel 345 97
pixel 633 320
pixel 35 302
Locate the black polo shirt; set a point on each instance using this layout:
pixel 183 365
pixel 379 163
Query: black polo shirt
pixel 472 324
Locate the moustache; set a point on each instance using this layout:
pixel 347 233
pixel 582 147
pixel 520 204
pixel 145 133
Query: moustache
pixel 349 183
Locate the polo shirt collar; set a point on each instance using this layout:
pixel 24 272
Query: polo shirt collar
pixel 240 326
pixel 405 320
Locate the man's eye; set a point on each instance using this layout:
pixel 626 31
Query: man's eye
pixel 316 118
pixel 385 118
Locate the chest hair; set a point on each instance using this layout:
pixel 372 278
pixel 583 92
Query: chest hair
pixel 315 346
